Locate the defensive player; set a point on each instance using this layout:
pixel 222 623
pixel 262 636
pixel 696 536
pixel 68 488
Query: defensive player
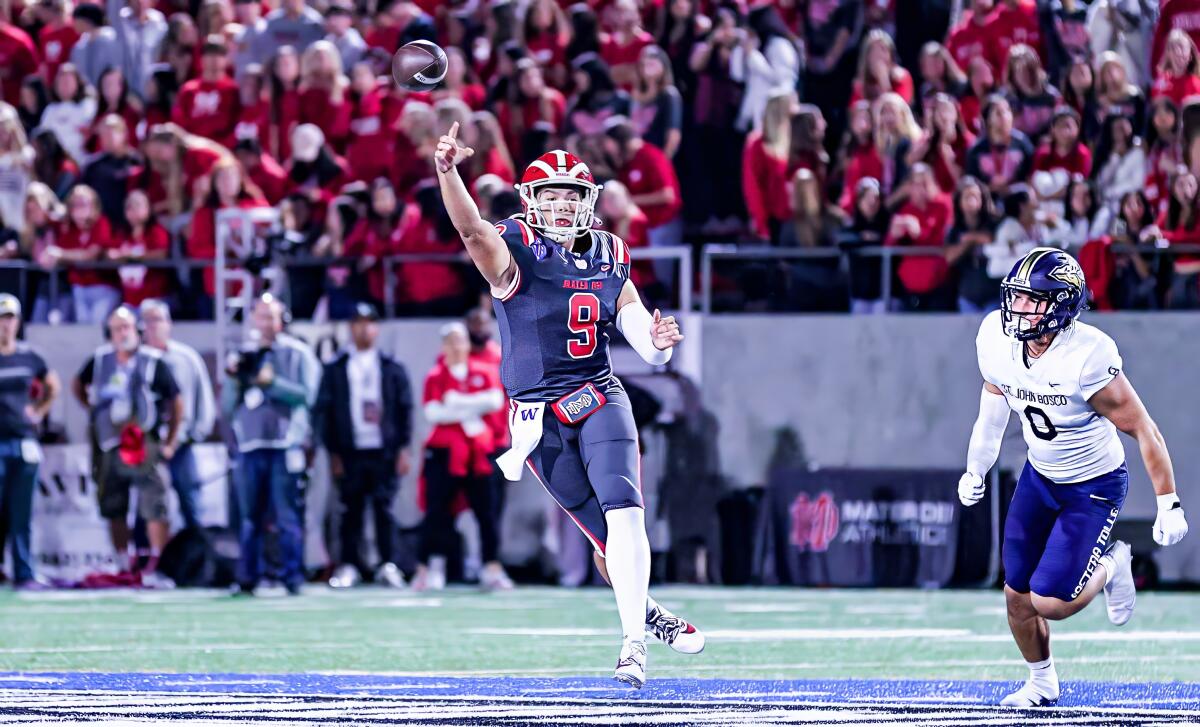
pixel 1064 380
pixel 557 284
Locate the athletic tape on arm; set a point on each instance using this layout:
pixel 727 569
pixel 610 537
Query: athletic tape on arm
pixel 634 322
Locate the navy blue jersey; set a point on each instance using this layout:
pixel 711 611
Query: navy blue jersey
pixel 554 316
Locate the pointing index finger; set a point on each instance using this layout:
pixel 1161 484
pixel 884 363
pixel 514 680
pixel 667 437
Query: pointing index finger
pixel 453 131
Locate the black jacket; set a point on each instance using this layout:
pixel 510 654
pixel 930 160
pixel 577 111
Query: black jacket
pixel 333 407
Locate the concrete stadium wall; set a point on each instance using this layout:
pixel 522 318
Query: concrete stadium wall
pixel 903 391
pixel 883 391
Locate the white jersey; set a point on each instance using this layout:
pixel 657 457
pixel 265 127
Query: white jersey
pixel 1068 440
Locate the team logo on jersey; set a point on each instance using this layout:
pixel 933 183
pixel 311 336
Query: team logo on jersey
pixel 539 250
pixel 1069 272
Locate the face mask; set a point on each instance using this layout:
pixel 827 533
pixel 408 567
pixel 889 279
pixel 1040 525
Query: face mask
pixel 479 339
pixel 129 343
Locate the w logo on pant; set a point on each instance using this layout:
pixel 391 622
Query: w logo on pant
pixel 528 415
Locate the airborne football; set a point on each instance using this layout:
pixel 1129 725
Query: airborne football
pixel 539 363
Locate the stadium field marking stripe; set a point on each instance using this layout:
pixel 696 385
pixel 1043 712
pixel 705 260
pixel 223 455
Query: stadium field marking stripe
pixel 752 634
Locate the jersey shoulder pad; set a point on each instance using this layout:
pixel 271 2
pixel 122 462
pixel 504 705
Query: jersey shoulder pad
pixel 617 247
pixel 1102 362
pixel 516 231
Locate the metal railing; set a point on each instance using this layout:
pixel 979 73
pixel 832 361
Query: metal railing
pixel 710 255
pixel 713 252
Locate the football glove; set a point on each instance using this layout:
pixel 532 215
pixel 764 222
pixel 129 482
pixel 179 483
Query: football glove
pixel 1170 526
pixel 970 488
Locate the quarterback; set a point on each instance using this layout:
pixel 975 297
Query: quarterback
pixel 557 284
pixel 1064 380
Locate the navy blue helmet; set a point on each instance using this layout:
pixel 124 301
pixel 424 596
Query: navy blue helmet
pixel 1054 280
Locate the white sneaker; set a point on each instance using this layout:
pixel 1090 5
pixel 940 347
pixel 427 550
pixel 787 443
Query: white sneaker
pixel 389 575
pixel 493 578
pixel 156 581
pixel 346 576
pixel 674 631
pixel 631 667
pixel 1032 695
pixel 1120 594
pixel 428 579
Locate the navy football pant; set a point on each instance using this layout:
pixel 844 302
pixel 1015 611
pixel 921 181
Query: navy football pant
pixel 592 468
pixel 1055 534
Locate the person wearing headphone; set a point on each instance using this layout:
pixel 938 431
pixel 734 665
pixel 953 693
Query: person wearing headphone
pixel 267 393
pixel 131 397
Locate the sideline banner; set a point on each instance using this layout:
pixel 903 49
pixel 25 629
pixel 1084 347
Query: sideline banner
pixel 70 539
pixel 858 527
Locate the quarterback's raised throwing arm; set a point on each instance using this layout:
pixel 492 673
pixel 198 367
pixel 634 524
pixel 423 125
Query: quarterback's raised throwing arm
pixel 483 241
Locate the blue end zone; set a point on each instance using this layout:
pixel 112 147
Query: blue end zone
pixel 1103 695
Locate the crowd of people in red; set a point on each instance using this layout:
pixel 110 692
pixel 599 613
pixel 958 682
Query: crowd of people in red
pixel 837 124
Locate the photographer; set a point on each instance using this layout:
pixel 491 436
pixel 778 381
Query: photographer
pixel 131 394
pixel 267 391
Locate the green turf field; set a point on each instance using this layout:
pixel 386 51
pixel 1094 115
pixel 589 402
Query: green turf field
pixel 752 633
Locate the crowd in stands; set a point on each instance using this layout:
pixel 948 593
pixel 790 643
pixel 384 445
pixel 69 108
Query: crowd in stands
pixel 983 130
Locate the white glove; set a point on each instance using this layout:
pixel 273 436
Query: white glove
pixel 970 488
pixel 1170 526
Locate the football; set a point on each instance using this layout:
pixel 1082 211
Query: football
pixel 419 65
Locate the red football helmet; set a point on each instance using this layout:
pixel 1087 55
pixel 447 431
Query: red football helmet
pixel 559 168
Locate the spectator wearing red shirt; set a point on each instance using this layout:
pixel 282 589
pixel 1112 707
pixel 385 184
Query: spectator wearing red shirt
pixel 115 97
pixel 369 151
pixel 176 178
pixel 375 237
pixel 161 89
pixel 879 70
pixel 766 160
pixel 971 38
pixel 263 171
pixel 1064 151
pixel 546 34
pixel 85 238
pixel 922 222
pixel 1164 152
pixel 429 288
pixel 57 36
pixel 530 101
pixel 323 89
pixel 182 46
pixel 227 189
pixel 1179 70
pixel 485 350
pixel 1174 15
pixel 621 48
pixel 944 143
pixel 1180 225
pixel 413 157
pixel 18 59
pixel 461 81
pixel 459 392
pixel 255 120
pixel 859 157
pixel 211 105
pixel 981 83
pixel 651 180
pixel 1014 22
pixel 141 239
pixel 283 74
